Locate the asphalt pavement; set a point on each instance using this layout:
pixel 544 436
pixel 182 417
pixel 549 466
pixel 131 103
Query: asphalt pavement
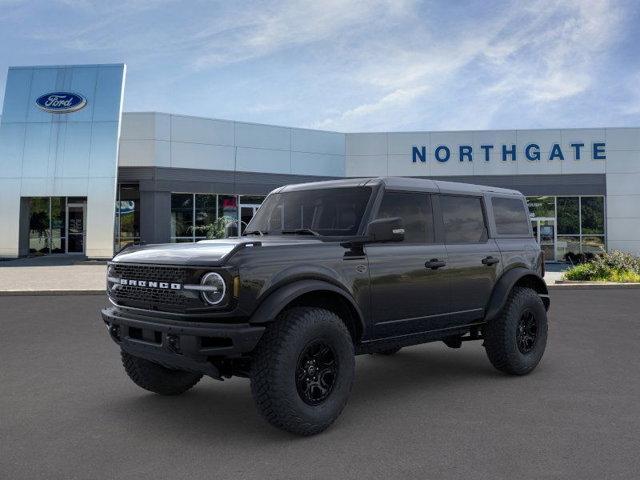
pixel 68 411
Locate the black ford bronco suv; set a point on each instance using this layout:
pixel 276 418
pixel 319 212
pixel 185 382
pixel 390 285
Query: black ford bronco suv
pixel 326 271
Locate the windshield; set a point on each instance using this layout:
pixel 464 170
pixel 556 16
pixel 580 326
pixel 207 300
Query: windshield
pixel 326 212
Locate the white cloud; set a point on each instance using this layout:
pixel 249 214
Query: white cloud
pixel 348 64
pixel 531 53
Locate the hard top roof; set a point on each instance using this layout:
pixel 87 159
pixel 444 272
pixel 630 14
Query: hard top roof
pixel 402 183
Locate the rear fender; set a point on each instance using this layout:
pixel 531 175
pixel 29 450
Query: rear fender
pixel 504 285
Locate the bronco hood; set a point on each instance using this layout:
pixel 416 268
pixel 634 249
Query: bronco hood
pixel 206 252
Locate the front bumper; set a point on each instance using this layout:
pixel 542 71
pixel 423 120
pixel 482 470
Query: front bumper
pixel 184 345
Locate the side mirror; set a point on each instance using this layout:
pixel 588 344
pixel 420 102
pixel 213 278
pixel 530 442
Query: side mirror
pixel 385 230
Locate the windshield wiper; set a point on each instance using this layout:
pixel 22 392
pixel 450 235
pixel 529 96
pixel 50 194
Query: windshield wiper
pixel 301 231
pixel 255 232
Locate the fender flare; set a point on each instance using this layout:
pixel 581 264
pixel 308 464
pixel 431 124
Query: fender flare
pixel 505 284
pixel 273 304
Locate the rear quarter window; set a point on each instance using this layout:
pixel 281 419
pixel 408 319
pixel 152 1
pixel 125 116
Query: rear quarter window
pixel 511 216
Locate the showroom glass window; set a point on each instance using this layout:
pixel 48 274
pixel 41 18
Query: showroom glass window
pixel 193 215
pixel 580 221
pixel 127 226
pixel 48 229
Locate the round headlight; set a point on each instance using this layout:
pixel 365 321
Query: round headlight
pixel 214 288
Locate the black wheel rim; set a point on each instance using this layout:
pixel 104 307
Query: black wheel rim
pixel 527 333
pixel 316 372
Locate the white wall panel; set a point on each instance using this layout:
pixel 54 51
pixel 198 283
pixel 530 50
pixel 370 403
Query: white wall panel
pixel 544 166
pixel 100 214
pixel 623 229
pixel 366 144
pixel 623 206
pixel 623 184
pixel 631 246
pixel 317 164
pixel 140 153
pixel 201 130
pixel 581 135
pixel 586 165
pixel 623 139
pixel 623 161
pixel 402 165
pixel 495 165
pixel 263 160
pixel 263 136
pixel 139 126
pixel 400 143
pixel 544 138
pixel 314 141
pixel 197 155
pixel 366 166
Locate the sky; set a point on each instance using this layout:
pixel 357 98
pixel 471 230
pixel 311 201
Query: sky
pixel 351 65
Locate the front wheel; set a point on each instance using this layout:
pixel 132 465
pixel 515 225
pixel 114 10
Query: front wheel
pixel 515 341
pixel 302 370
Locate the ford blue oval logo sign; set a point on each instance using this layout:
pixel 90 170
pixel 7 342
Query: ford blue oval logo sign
pixel 61 102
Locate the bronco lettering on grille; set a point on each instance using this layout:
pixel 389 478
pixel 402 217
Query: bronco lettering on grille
pixel 150 284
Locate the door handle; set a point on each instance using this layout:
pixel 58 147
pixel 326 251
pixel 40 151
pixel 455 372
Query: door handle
pixel 435 264
pixel 488 261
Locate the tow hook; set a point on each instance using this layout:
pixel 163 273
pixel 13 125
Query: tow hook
pixel 173 343
pixel 114 331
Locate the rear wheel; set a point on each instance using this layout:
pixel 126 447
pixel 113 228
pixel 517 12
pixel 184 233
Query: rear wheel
pixel 156 378
pixel 515 341
pixel 303 369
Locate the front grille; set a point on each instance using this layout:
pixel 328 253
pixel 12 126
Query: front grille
pixel 149 272
pixel 163 299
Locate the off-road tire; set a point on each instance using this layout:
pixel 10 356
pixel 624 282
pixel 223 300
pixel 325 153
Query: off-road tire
pixel 500 334
pixel 276 362
pixel 388 351
pixel 156 378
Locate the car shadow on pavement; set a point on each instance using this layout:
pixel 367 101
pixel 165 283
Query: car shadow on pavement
pixel 222 410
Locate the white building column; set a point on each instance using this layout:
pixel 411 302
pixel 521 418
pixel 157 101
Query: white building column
pixel 623 189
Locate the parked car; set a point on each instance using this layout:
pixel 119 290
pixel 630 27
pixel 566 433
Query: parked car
pixel 326 271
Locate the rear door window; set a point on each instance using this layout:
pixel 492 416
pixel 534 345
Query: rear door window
pixel 463 219
pixel 415 211
pixel 511 216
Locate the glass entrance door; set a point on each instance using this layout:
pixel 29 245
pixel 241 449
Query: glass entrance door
pixel 544 230
pixel 76 220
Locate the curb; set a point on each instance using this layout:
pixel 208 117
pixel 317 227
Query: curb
pixel 18 293
pixel 592 286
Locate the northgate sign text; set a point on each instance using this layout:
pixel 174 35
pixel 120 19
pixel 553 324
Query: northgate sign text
pixel 531 152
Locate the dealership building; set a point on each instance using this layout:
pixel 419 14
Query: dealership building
pixel 80 176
